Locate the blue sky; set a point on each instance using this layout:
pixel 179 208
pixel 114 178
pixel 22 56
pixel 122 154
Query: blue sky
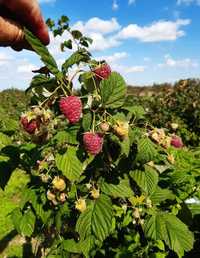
pixel 146 41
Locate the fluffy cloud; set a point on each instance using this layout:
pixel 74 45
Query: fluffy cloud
pixel 179 63
pixel 135 69
pixel 113 58
pixel 115 5
pixel 101 42
pixel 108 34
pixel 5 58
pixel 157 31
pixel 14 70
pixel 130 2
pixel 188 2
pixel 101 31
pixel 97 25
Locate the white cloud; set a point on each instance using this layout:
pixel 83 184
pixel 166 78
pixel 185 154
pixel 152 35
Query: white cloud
pixel 115 5
pixel 179 63
pixel 101 31
pixel 16 68
pixel 96 24
pixel 113 58
pixel 135 69
pixel 106 34
pixel 157 31
pixel 5 58
pixel 130 2
pixel 188 2
pixel 26 68
pixel 100 42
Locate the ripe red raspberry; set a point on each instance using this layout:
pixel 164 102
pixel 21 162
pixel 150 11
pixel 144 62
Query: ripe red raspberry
pixel 103 71
pixel 93 142
pixel 176 141
pixel 71 107
pixel 29 127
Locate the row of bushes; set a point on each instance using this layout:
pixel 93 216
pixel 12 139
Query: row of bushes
pixel 175 108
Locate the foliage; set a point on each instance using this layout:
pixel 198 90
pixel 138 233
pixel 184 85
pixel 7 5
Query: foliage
pixel 176 105
pixel 129 199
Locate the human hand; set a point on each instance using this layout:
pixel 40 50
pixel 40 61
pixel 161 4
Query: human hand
pixel 14 15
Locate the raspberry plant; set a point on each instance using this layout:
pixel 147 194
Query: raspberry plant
pixel 103 181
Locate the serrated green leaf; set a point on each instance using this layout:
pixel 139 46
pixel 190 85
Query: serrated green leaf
pixel 41 81
pixel 113 91
pixel 137 111
pixel 146 150
pixel 69 164
pixel 42 51
pixel 76 34
pixel 4 158
pixel 121 190
pixel 4 140
pixel 75 58
pixel 147 180
pixel 67 44
pixel 96 220
pixel 9 125
pixel 16 217
pixel 27 223
pixel 169 228
pixel 68 136
pixel 160 195
pixel 87 121
pixel 79 247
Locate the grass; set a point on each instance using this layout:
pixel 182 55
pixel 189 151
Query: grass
pixel 10 197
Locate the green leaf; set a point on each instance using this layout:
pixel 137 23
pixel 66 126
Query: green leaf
pixel 16 217
pixel 87 81
pixel 42 51
pixel 67 44
pixel 147 180
pixel 146 150
pixel 121 190
pixel 113 91
pixel 75 58
pixel 9 125
pixel 79 247
pixel 4 158
pixel 50 23
pixel 169 228
pixel 27 223
pixel 71 246
pixel 41 81
pixel 76 34
pixel 69 164
pixel 96 220
pixel 160 195
pixel 137 111
pixel 87 121
pixel 4 140
pixel 68 136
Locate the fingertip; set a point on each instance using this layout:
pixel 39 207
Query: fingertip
pixel 43 35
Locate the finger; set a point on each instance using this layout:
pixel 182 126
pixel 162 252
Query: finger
pixel 11 33
pixel 28 12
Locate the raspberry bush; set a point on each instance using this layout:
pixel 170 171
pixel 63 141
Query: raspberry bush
pixel 103 182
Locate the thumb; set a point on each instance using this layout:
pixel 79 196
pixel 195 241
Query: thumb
pixel 11 33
